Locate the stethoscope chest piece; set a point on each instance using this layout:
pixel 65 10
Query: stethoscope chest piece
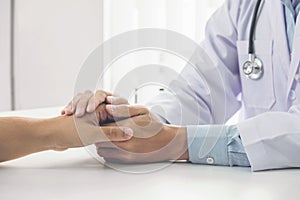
pixel 253 68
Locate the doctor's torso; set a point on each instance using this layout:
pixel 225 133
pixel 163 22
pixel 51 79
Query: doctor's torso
pixel 278 89
pixel 215 92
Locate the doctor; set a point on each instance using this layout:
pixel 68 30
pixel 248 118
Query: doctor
pixel 256 46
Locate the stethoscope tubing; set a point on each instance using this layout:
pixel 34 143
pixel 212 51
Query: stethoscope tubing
pixel 251 48
pixel 253 68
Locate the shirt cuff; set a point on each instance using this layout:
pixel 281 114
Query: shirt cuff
pixel 208 144
pixel 236 151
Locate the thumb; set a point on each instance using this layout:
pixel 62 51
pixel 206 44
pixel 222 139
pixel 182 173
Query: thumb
pixel 116 134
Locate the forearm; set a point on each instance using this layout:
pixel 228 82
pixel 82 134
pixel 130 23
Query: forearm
pixel 22 136
pixel 216 145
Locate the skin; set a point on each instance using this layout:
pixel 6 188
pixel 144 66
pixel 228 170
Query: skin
pixel 86 102
pixel 22 136
pixel 153 141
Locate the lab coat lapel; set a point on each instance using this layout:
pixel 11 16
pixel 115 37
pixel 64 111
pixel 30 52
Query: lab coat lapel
pixel 277 19
pixel 295 55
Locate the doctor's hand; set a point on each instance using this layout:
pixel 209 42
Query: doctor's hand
pixel 85 102
pixel 71 132
pixel 88 102
pixel 153 141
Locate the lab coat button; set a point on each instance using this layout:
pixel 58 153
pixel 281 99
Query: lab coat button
pixel 292 95
pixel 210 160
pixel 297 78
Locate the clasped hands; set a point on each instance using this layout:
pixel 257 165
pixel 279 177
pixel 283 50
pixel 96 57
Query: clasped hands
pixel 152 140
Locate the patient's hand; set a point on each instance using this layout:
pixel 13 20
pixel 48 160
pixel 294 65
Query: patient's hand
pixel 71 131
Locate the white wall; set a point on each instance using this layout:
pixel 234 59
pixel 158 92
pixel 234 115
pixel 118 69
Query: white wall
pixel 52 40
pixel 54 37
pixel 5 55
pixel 187 17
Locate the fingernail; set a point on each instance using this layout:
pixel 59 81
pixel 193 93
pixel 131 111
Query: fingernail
pixel 128 132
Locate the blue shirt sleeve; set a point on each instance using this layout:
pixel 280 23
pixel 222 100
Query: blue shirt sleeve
pixel 216 145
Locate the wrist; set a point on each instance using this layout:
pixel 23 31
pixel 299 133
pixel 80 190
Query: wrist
pixel 41 130
pixel 54 132
pixel 179 146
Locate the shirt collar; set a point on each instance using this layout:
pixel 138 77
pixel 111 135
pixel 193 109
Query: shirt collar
pixel 294 6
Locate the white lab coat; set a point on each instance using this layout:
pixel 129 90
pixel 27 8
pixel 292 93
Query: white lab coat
pixel 270 121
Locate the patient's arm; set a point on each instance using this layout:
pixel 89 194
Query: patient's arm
pixel 23 136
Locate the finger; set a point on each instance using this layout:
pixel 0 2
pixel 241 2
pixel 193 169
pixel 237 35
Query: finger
pixel 116 100
pixel 121 122
pixel 126 111
pixel 123 145
pixel 104 145
pixel 113 161
pixel 103 116
pixel 82 103
pixel 118 157
pixel 108 152
pixel 68 109
pixel 140 121
pixel 96 100
pixel 116 134
pixel 115 155
pixel 92 105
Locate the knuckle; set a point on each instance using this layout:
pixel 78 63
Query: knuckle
pixel 101 92
pixel 78 95
pixel 92 101
pixel 100 95
pixel 74 103
pixel 82 103
pixel 88 92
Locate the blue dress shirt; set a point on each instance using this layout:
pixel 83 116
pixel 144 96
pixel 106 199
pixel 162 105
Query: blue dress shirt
pixel 216 145
pixel 222 145
pixel 291 9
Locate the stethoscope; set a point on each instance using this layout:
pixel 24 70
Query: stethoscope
pixel 253 68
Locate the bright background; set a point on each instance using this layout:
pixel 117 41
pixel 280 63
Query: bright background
pixel 45 42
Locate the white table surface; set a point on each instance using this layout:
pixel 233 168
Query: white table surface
pixel 75 174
